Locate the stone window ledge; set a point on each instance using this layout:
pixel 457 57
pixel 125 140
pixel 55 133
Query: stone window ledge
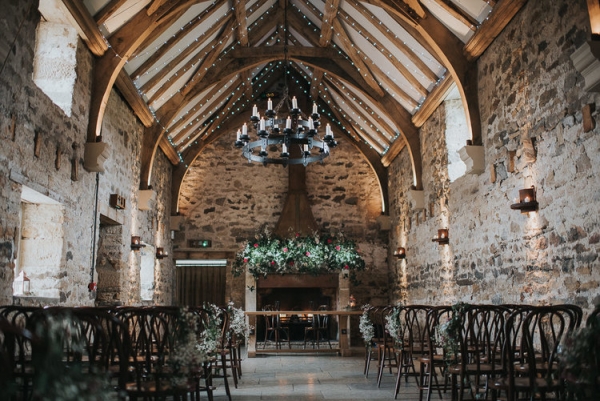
pixel 32 300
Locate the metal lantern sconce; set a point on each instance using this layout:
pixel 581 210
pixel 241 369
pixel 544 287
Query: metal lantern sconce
pixel 161 253
pixel 442 237
pixel 400 253
pixel 22 284
pixel 136 243
pixel 527 201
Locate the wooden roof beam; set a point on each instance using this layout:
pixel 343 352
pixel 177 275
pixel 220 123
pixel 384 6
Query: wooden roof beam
pixel 431 103
pixel 407 51
pixel 501 15
pixel 108 11
pixel 124 42
pixel 176 38
pixel 458 14
pixel 91 35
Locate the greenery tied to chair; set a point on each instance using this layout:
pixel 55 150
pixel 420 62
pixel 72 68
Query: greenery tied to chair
pixel 57 380
pixel 366 326
pixel 580 362
pixel 394 326
pixel 447 334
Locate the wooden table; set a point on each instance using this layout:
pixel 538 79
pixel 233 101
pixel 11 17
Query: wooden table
pixel 343 331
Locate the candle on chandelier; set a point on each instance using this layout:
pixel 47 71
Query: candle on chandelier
pixel 305 148
pixel 328 130
pixel 315 110
pixel 269 104
pixel 284 148
pixel 239 134
pixel 262 124
pixel 254 110
pixel 310 123
pixel 288 122
pixel 244 129
pixel 294 103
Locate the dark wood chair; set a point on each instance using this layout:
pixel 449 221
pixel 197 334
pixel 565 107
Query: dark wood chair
pixel 413 320
pixel 274 329
pixel 319 330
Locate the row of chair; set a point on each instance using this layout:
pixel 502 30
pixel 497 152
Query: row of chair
pixel 133 347
pixel 507 351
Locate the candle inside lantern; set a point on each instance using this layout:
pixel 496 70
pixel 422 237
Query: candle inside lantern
pixel 269 104
pixel 254 110
pixel 288 122
pixel 294 103
pixel 526 200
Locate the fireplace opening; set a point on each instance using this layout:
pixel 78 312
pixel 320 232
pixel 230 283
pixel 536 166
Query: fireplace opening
pixel 296 299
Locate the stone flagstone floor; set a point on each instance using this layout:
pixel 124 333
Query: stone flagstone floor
pixel 314 377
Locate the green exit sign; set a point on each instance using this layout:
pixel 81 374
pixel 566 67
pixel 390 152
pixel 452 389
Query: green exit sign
pixel 200 243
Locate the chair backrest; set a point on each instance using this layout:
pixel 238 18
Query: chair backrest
pixel 415 328
pixel 482 336
pixel 321 321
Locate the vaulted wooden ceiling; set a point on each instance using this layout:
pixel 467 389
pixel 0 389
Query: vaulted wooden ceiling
pixel 191 70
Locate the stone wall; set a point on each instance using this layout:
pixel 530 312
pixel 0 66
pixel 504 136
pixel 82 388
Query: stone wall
pixel 227 200
pixel 531 100
pixel 42 149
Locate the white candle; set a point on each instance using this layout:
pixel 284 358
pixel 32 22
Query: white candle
pixel 262 124
pixel 315 110
pixel 294 103
pixel 239 134
pixel 269 104
pixel 288 122
pixel 306 148
pixel 328 130
pixel 310 123
pixel 244 129
pixel 284 148
pixel 254 110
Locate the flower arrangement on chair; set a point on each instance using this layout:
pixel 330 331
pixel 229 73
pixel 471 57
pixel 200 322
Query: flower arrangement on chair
pixel 317 254
pixel 447 334
pixel 394 326
pixel 238 328
pixel 366 327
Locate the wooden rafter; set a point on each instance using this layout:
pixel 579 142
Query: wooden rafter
pixel 133 98
pixel 388 83
pixel 458 14
pixel 176 38
pixel 154 6
pixel 356 58
pixel 92 36
pixel 381 124
pixel 210 57
pixel 191 64
pixel 431 103
pixel 407 51
pixel 330 13
pixel 393 58
pixel 124 42
pixel 216 122
pixel 239 9
pixel 108 11
pixel 166 22
pixel 375 138
pixel 501 15
pixel 213 98
pixel 170 67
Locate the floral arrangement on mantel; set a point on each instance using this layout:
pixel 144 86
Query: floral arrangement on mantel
pixel 317 254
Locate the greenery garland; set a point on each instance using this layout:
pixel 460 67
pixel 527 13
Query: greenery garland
pixel 317 254
pixel 447 335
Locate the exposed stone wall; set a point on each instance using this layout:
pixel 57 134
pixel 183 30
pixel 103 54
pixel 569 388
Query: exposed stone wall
pixel 42 148
pixel 530 103
pixel 227 200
